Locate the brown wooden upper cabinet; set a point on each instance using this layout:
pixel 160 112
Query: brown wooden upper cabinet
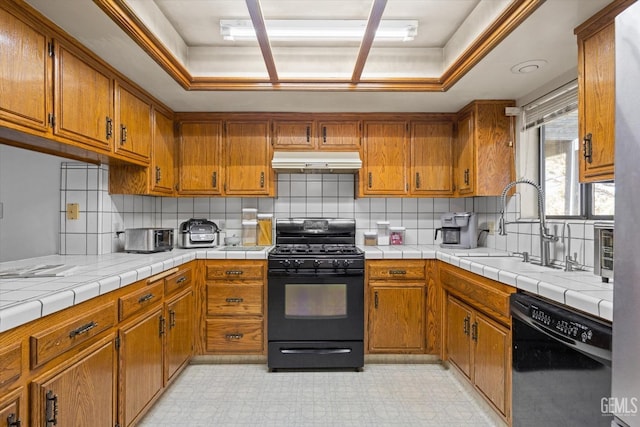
pixel 596 101
pixel 310 134
pixel 484 149
pixel 247 154
pixel 431 158
pixel 200 158
pixel 25 67
pixel 385 158
pixel 162 170
pixel 133 128
pixel 83 99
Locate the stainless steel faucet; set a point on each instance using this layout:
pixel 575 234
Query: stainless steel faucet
pixel 545 236
pixel 569 262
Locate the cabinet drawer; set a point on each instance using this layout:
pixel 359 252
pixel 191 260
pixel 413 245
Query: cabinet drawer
pixel 51 343
pixel 137 301
pixel 235 336
pixel 396 270
pixel 236 271
pixel 10 363
pixel 240 299
pixel 178 280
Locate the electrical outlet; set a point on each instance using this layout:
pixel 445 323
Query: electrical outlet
pixel 73 210
pixel 491 225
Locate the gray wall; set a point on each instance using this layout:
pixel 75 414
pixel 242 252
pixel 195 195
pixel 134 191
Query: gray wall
pixel 30 196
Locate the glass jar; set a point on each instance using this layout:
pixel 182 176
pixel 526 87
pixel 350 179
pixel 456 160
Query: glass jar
pixel 249 233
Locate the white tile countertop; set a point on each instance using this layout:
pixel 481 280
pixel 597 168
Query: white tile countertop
pixel 25 299
pixel 581 290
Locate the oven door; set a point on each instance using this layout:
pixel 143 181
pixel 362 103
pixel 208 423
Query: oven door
pixel 312 306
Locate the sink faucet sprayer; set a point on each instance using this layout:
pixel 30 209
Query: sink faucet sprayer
pixel 545 237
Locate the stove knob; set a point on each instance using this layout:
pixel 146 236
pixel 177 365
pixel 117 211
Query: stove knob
pixel 286 263
pixel 316 263
pixel 335 263
pixel 297 263
pixel 346 263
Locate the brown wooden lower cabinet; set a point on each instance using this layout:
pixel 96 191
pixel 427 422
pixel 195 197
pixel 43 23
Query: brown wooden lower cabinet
pixel 478 334
pixel 396 306
pixel 179 344
pixel 80 394
pixel 396 318
pixel 12 407
pixel 232 319
pixel 140 364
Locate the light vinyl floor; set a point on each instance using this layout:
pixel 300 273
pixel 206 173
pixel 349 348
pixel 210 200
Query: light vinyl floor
pixel 381 395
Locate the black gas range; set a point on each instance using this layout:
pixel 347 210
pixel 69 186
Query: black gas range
pixel 316 295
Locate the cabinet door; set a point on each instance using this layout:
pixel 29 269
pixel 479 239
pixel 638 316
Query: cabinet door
pixel 464 155
pixel 247 158
pixel 293 135
pixel 83 98
pixel 396 318
pixel 432 158
pixel 140 365
pixel 200 158
pixel 491 359
pixel 133 133
pixel 24 69
pixel 385 159
pixel 81 395
pixel 458 335
pixel 179 333
pixel 163 153
pixel 12 406
pixel 339 135
pixel 597 104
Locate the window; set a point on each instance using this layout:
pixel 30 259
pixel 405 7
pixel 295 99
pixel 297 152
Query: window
pixel 553 124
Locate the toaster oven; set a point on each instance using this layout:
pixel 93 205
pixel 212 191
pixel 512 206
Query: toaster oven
pixel 603 250
pixel 148 240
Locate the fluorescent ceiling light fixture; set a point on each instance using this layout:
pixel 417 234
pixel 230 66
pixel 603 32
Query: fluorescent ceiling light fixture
pixel 318 29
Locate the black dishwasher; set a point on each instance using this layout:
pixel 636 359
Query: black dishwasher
pixel 561 370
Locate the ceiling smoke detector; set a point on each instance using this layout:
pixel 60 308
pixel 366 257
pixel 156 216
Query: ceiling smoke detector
pixel 528 66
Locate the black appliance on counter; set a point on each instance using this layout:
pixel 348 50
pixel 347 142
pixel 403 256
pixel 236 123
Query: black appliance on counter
pixel 198 233
pixel 561 365
pixel 315 295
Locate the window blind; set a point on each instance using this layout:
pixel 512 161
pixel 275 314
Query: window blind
pixel 550 106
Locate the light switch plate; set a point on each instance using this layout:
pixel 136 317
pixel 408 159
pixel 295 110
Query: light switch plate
pixel 73 210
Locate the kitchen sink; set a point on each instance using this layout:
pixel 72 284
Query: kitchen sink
pixel 512 263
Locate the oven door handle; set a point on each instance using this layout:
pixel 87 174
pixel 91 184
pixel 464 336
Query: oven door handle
pixel 315 350
pixel 602 355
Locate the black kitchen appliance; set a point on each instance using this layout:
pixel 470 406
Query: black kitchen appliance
pixel 561 365
pixel 315 295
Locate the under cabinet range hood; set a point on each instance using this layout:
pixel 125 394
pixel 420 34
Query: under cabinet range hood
pixel 316 161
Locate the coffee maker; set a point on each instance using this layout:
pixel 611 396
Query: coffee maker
pixel 459 230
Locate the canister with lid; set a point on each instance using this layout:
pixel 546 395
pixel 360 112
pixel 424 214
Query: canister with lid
pixel 265 229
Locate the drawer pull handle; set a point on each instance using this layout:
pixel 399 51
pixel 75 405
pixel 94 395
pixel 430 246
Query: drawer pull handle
pixel 234 272
pixel 82 329
pixel 237 300
pixel 51 409
pixel 172 319
pixel 145 298
pixel 465 326
pixel 13 421
pixel 474 331
pixel 397 271
pixel 234 336
pixel 181 280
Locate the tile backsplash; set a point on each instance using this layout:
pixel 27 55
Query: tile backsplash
pixel 103 215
